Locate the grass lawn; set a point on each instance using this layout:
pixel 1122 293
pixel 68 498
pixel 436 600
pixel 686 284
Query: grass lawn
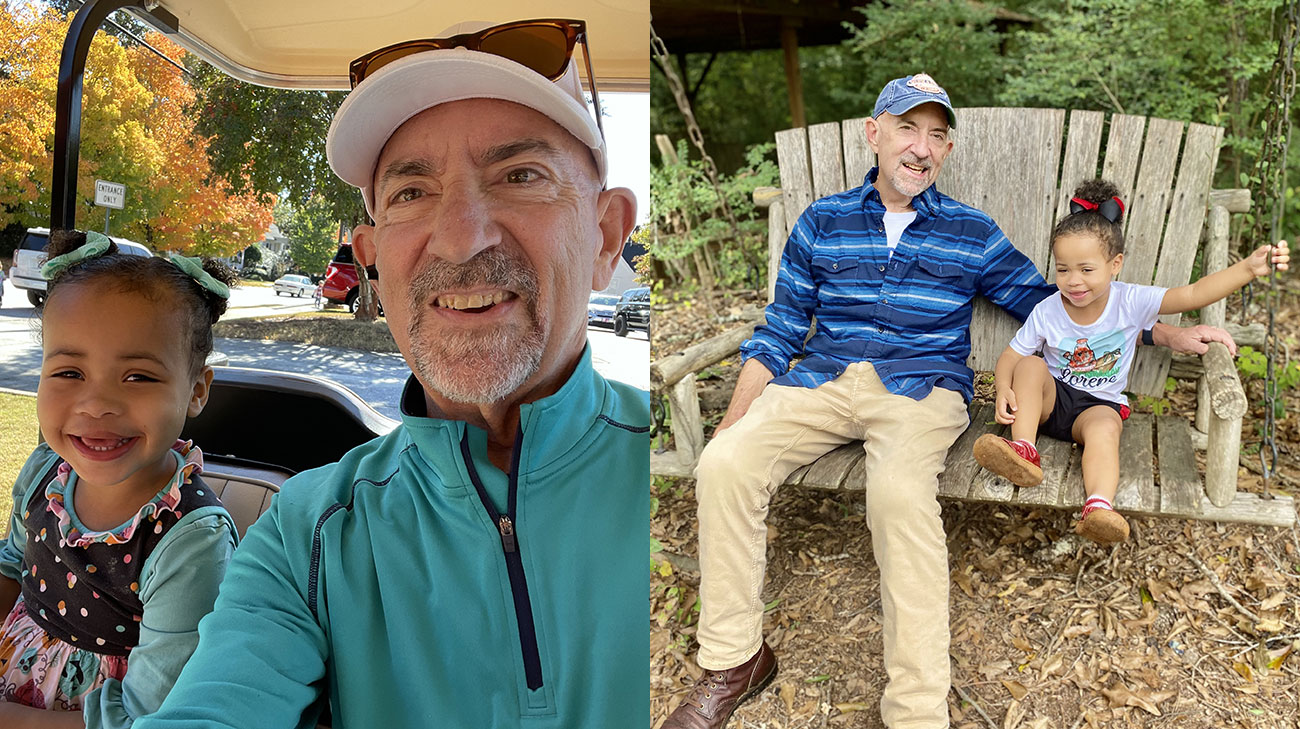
pixel 18 432
pixel 323 328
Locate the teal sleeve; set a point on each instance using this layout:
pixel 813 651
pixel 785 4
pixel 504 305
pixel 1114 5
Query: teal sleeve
pixel 178 585
pixel 261 655
pixel 15 542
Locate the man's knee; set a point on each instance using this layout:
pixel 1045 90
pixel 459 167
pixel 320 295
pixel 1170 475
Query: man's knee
pixel 901 494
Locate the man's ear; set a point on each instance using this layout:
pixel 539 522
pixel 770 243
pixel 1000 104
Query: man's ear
pixel 617 210
pixel 873 134
pixel 202 388
pixel 363 244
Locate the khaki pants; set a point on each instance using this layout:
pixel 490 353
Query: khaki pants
pixel 906 442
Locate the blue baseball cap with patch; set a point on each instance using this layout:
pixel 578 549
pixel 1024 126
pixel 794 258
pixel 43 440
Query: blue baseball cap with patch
pixel 903 94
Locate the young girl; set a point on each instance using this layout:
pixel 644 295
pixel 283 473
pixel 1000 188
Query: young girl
pixel 1088 334
pixel 115 546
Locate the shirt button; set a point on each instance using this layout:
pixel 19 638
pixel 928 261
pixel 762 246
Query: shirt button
pixel 835 266
pixel 882 269
pixel 884 301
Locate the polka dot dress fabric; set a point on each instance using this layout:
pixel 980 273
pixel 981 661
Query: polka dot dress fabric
pixel 80 610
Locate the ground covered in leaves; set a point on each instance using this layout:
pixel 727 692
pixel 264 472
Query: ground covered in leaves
pixel 1188 624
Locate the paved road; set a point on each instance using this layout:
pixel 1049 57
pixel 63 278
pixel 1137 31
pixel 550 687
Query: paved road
pixel 376 378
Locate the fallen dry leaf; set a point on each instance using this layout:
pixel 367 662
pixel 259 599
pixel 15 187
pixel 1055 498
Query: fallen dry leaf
pixel 1017 689
pixel 787 696
pixel 1120 695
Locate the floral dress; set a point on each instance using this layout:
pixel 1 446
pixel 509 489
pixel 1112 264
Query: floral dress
pixel 78 617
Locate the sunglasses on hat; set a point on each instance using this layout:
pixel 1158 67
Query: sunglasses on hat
pixel 544 46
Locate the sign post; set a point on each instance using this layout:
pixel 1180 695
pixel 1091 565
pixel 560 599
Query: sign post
pixel 110 196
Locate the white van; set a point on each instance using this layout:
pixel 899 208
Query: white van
pixel 26 271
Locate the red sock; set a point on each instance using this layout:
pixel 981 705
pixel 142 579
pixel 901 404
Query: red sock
pixel 1096 502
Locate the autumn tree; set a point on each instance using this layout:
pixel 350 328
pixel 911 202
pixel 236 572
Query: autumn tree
pixel 134 131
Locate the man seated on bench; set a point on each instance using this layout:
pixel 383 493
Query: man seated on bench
pixel 890 270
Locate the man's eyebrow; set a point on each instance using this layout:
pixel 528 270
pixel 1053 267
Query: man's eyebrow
pixel 405 168
pixel 502 152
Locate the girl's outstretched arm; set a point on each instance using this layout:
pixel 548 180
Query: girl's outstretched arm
pixel 1219 284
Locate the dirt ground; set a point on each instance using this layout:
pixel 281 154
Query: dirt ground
pixel 1187 624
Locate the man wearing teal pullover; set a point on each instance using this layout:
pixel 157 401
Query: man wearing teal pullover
pixel 483 565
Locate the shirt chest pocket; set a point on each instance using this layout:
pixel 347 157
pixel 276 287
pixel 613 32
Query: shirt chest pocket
pixel 943 275
pixel 836 280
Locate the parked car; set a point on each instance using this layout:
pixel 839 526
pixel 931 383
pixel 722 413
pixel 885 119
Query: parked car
pixel 600 310
pixel 26 271
pixel 341 283
pixel 2 284
pixel 294 285
pixel 632 311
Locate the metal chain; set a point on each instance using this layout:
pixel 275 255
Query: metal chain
pixel 1270 171
pixel 658 414
pixel 692 128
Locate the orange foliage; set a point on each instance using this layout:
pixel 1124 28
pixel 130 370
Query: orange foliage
pixel 134 131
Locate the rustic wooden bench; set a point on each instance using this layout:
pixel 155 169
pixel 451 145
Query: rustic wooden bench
pixel 1019 166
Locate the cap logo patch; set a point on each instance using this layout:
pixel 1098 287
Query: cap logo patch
pixel 923 82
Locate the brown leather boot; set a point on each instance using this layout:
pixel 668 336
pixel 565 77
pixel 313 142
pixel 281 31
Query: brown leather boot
pixel 717 693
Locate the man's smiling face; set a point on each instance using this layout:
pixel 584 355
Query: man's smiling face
pixel 487 237
pixel 910 148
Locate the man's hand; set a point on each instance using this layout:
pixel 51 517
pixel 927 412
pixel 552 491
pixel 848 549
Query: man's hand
pixel 749 385
pixel 1191 340
pixel 1005 412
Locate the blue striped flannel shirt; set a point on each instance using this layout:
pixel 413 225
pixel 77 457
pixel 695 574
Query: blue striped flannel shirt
pixel 909 315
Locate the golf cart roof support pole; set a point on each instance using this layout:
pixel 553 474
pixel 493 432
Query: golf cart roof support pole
pixel 67 108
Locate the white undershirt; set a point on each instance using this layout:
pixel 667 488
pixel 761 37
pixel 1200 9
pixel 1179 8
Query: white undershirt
pixel 895 224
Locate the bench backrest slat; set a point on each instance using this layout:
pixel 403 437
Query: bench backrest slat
pixel 858 157
pixel 827 159
pixel 1147 204
pixel 1019 166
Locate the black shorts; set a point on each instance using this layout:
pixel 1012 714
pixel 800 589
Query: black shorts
pixel 1070 404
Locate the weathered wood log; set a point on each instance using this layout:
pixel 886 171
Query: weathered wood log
pixel 1234 200
pixel 1228 406
pixel 668 370
pixel 1226 394
pixel 1216 259
pixel 765 196
pixel 688 428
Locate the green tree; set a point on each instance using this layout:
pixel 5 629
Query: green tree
pixel 312 230
pixel 1194 60
pixel 955 41
pixel 689 236
pixel 270 141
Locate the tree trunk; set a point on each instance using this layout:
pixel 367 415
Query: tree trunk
pixel 367 307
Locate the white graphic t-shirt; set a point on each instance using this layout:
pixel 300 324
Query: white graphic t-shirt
pixel 1094 358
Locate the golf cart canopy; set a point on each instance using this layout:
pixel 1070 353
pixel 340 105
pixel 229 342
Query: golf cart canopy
pixel 309 45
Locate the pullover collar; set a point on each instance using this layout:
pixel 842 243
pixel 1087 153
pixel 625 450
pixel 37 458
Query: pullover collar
pixel 552 426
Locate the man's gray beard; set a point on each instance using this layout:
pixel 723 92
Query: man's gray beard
pixel 485 365
pixel 905 186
